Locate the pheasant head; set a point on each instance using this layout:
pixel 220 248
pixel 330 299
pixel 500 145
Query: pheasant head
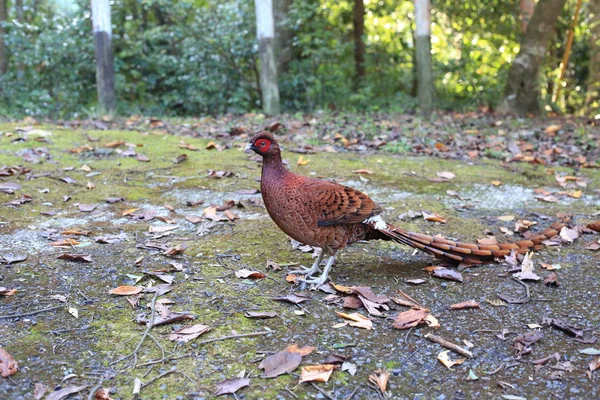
pixel 265 145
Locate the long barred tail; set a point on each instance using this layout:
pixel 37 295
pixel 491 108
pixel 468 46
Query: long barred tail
pixel 457 252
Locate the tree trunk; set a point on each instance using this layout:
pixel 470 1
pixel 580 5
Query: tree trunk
pixel 3 52
pixel 423 54
pixel 593 87
pixel 20 18
pixel 526 9
pixel 522 91
pixel 265 33
pixel 105 73
pixel 359 45
pixel 283 35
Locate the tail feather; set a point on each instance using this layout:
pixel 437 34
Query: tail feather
pixel 459 252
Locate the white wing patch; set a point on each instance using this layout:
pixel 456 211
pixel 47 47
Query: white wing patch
pixel 377 221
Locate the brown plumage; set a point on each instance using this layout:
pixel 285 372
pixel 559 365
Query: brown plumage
pixel 332 216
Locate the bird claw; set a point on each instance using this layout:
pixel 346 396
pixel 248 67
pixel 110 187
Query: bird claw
pixel 304 271
pixel 320 281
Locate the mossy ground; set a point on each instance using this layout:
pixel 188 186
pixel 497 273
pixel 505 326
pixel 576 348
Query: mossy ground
pixel 54 345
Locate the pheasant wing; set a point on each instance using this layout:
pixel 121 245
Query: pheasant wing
pixel 335 204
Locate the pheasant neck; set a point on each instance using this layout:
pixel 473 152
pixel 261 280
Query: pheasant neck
pixel 273 166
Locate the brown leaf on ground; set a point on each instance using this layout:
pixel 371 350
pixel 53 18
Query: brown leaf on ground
pixel 65 243
pixel 380 379
pixel 75 257
pixel 246 273
pixel 175 251
pixel 444 358
pixel 523 344
pixel 335 358
pixel 303 351
pixel 415 281
pixel 168 317
pixel 7 292
pixel 188 333
pixel 102 394
pixel 433 217
pixel 595 226
pixel 464 305
pixel 292 298
pixel 280 363
pixel 39 390
pixel 594 246
pixel 316 373
pixel 594 364
pixel 445 273
pixel 126 290
pixel 563 326
pixel 75 232
pixel 362 171
pixel 411 318
pixel 142 157
pixel 568 235
pixel 230 386
pixel 8 365
pixel 357 320
pixel 527 269
pixel 260 314
pixel 184 145
pixel 65 392
pixel 446 175
pixel 552 280
pixel 352 302
pixel 273 265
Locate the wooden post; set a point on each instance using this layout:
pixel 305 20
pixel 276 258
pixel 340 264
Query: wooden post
pixel 105 74
pixel 3 52
pixel 423 53
pixel 265 33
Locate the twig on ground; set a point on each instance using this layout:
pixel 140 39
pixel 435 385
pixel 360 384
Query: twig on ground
pixel 151 381
pixel 95 389
pixel 31 312
pixel 324 393
pixel 291 393
pixel 449 345
pixel 235 336
pixel 351 395
pixel 524 284
pixel 144 335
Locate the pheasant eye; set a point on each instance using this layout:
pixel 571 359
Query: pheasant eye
pixel 264 145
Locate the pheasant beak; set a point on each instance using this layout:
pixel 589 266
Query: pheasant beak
pixel 248 148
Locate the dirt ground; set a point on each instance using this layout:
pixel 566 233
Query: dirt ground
pixel 65 330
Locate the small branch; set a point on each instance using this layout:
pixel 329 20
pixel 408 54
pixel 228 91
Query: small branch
pixel 324 393
pixel 351 395
pixel 30 313
pixel 449 345
pixel 235 336
pixel 524 284
pixel 151 381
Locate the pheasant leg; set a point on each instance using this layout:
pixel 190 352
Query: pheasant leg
pixel 323 278
pixel 310 271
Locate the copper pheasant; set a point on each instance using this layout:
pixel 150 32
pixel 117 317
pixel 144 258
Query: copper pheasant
pixel 331 216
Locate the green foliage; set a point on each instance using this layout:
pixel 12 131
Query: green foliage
pixel 196 57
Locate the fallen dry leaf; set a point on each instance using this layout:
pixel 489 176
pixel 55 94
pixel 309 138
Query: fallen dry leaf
pixel 75 257
pixel 185 334
pixel 552 280
pixel 363 171
pixel 464 305
pixel 126 290
pixel 433 217
pixel 357 320
pixel 229 386
pixel 7 292
pixel 527 269
pixel 594 364
pixel 444 358
pixel 246 273
pixel 292 298
pixel 280 363
pixel 380 378
pixel 260 314
pixel 302 161
pixel 8 365
pixel 316 373
pixel 446 175
pixel 411 318
pixel 65 392
pixel 568 235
